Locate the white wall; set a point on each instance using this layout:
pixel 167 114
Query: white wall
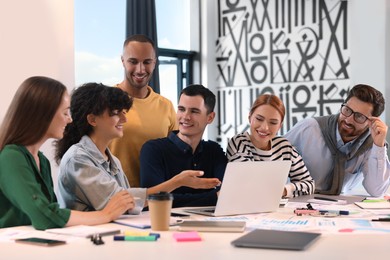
pixel 208 32
pixel 387 65
pixel 36 38
pixel 368 42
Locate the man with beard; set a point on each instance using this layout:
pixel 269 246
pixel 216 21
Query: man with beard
pixel 349 148
pixel 151 116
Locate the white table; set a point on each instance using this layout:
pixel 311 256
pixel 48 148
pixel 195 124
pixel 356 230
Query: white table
pixel 213 246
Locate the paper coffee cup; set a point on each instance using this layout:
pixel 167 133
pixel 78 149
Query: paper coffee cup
pixel 160 205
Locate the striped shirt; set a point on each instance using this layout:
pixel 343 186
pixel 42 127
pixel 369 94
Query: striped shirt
pixel 240 148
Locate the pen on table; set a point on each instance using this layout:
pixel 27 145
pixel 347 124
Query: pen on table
pixel 339 212
pixel 132 233
pixel 381 219
pixel 374 200
pixel 135 238
pixel 324 198
pixel 300 212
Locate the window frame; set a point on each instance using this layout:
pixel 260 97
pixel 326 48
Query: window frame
pixel 181 56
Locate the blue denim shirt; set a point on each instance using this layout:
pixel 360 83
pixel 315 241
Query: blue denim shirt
pixel 87 181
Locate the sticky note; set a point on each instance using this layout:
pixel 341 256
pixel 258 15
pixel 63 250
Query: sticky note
pixel 135 233
pixel 346 230
pixel 187 236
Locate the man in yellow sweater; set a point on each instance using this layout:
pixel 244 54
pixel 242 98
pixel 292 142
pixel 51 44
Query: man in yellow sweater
pixel 151 116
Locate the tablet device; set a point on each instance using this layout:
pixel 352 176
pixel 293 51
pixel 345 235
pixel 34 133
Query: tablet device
pixel 212 226
pixel 276 239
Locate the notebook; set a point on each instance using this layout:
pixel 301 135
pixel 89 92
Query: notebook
pixel 276 239
pixel 249 187
pixel 374 205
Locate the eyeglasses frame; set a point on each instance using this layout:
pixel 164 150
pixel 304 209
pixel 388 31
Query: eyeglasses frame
pixel 353 113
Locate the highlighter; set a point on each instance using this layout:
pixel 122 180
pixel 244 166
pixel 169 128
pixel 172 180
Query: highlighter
pixel 135 238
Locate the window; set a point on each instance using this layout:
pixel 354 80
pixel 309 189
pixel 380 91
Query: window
pixel 176 55
pixel 175 70
pixel 173 24
pixel 99 34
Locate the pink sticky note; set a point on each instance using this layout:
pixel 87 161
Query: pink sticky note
pixel 346 230
pixel 187 236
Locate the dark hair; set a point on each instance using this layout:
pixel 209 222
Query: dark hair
pixel 140 38
pixel 31 111
pixel 268 99
pixel 200 90
pixel 90 98
pixel 370 95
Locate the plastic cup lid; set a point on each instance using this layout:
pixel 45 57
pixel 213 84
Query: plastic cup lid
pixel 161 196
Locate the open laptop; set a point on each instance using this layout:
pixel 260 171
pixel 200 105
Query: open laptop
pixel 249 187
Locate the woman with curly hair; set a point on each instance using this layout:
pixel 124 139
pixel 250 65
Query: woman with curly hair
pixel 89 174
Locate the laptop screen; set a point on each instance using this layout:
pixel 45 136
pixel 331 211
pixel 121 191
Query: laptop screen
pixel 251 187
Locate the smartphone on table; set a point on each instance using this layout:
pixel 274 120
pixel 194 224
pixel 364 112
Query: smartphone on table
pixel 40 241
pixel 180 215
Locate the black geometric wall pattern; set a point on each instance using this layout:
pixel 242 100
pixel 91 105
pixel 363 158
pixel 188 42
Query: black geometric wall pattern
pixel 296 49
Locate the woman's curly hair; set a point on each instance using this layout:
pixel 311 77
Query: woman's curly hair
pixel 90 98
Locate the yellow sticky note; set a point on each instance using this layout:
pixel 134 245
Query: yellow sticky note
pixel 136 233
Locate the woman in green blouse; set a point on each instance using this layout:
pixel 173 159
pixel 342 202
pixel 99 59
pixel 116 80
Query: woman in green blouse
pixel 39 111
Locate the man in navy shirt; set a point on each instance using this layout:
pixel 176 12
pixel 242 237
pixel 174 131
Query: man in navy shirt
pixel 184 151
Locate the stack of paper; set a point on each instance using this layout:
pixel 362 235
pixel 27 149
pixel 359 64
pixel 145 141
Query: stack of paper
pixel 141 221
pixel 84 231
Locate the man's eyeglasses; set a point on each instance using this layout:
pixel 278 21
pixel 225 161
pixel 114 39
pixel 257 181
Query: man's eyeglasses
pixel 358 117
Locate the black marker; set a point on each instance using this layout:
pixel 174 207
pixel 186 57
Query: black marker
pixel 324 198
pixel 381 219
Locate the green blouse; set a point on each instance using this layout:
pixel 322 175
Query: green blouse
pixel 26 195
